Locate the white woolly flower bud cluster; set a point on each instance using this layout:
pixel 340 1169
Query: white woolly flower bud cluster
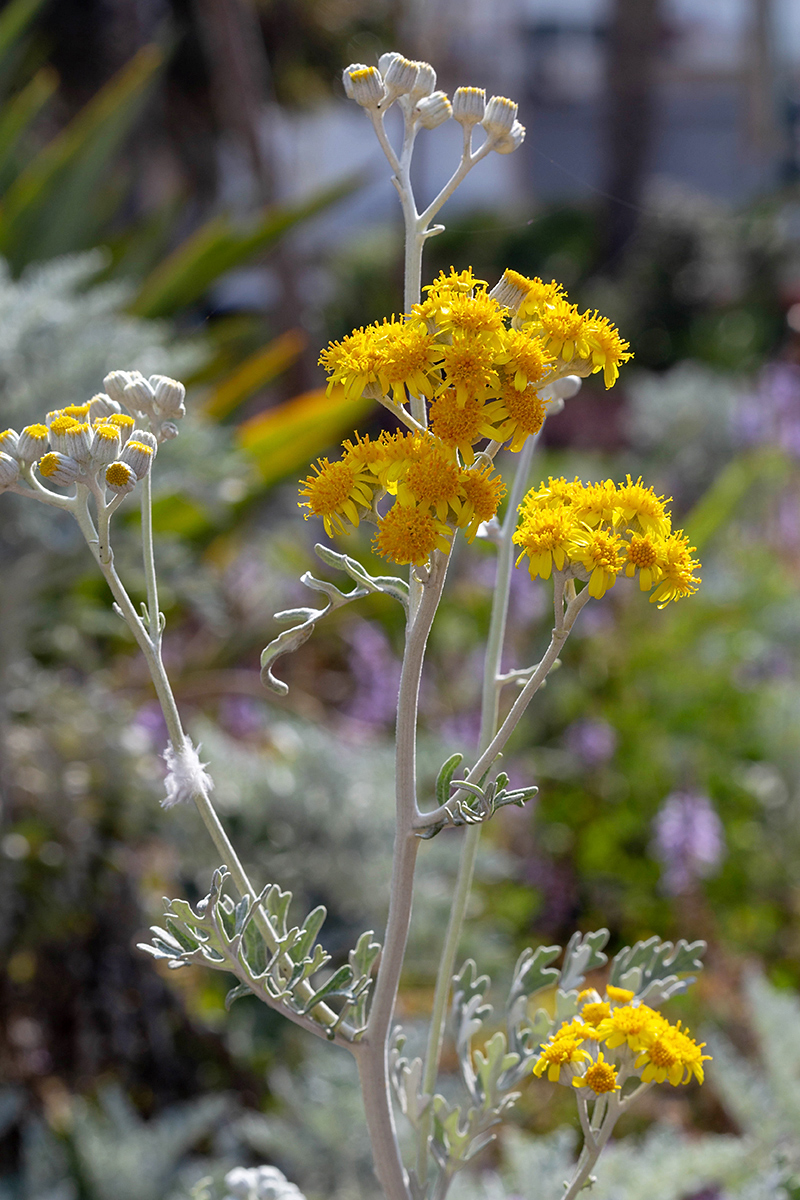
pixel 98 443
pixel 260 1183
pixel 413 85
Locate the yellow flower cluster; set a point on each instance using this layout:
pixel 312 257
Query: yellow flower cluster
pixel 638 1040
pixel 480 358
pixel 433 493
pixel 480 361
pixel 597 531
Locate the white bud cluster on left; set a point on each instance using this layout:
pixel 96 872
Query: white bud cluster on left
pixel 260 1183
pixel 413 85
pixel 98 443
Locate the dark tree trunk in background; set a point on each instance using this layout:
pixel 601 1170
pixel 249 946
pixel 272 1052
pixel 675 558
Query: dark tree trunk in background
pixel 634 36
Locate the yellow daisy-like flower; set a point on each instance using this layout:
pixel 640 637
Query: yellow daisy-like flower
pixel 525 359
pixel 410 535
pixel 480 493
pixel 539 297
pixel 606 348
pixel 601 1077
pixel 478 316
pixel 672 1056
pixel 517 414
pixel 677 567
pixel 632 1025
pixel 643 555
pixel 561 1053
pixel 408 356
pixel 546 536
pixel 460 426
pixel 563 328
pixel 600 553
pixel 353 363
pixel 595 1011
pixel 619 995
pixel 468 366
pixel 335 492
pixel 431 480
pixel 554 494
pixel 595 502
pixel 637 503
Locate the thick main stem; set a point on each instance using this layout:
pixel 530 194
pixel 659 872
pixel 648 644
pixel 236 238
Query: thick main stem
pixel 373 1052
pixel 469 850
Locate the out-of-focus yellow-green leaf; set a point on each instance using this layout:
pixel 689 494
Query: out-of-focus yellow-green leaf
pixel 18 114
pixel 254 372
pixel 52 205
pixel 718 504
pixel 14 20
pixel 287 438
pixel 221 244
pixel 180 515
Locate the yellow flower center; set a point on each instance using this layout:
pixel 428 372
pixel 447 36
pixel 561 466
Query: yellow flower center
pixel 118 474
pixel 601 1077
pixel 456 425
pixel 329 490
pixel 407 535
pixel 432 477
pixel 642 552
pixel 526 407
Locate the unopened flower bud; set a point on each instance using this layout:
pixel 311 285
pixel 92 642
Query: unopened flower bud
pixel 169 393
pixel 107 443
pixel 366 87
pixel 101 406
pixel 469 105
pixel 138 453
pixel 138 456
pixel 9 470
pixel 426 81
pixel 500 116
pixel 58 429
pixel 434 110
pixel 124 422
pixel 120 478
pixel 347 81
pixel 77 441
pixel 32 443
pixel 386 60
pixel 9 439
pixel 510 141
pixel 401 77
pixel 60 469
pixel 115 383
pixel 167 431
pixel 139 395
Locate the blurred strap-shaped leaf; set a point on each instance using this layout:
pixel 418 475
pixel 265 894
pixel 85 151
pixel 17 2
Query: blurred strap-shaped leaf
pixel 14 21
pixel 720 501
pixel 286 438
pixel 221 244
pixel 51 207
pixel 256 371
pixel 18 114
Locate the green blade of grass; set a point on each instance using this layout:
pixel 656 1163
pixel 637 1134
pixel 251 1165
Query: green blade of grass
pixel 219 245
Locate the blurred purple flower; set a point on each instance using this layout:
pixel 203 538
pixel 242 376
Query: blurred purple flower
pixel 242 716
pixel 689 841
pixel 594 742
pixel 772 412
pixel 149 722
pixel 375 670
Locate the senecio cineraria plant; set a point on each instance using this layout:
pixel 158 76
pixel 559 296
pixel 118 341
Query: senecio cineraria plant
pixel 465 372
